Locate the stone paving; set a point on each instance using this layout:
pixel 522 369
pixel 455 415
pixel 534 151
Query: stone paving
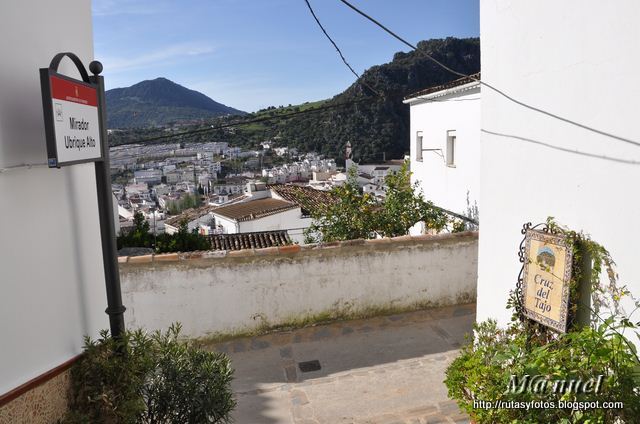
pixel 383 370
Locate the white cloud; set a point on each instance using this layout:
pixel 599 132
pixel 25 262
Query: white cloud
pixel 166 55
pixel 125 7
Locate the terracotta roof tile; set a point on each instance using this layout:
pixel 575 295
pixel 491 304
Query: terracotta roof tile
pixel 254 209
pixel 190 215
pixel 307 198
pixel 257 240
pixel 446 86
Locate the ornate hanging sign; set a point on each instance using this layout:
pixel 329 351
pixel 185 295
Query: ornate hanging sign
pixel 545 277
pixel 71 116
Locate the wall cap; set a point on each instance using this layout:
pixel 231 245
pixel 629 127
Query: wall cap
pixel 294 249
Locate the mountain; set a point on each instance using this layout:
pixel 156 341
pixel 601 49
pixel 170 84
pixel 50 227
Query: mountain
pixel 160 102
pixel 377 124
pixel 380 123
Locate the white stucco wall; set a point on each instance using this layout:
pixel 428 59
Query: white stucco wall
pixel 285 220
pixel 51 273
pixel 229 226
pixel 444 185
pixel 224 295
pixel 576 59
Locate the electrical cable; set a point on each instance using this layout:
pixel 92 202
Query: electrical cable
pixel 359 78
pixel 562 149
pixel 489 86
pixel 240 123
pixel 23 166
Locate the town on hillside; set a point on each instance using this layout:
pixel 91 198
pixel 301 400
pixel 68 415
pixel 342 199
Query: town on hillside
pixel 197 183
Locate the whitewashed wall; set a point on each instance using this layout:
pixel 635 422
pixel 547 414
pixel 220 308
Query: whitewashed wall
pixel 285 220
pixel 51 273
pixel 247 289
pixel 577 59
pixel 448 186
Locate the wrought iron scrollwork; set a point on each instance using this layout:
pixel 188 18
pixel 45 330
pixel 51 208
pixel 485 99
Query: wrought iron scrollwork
pixel 519 297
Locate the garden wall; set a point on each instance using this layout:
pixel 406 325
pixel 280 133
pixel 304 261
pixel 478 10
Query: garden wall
pixel 230 292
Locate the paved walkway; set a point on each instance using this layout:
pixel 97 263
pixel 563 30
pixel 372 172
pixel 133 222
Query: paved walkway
pixel 382 370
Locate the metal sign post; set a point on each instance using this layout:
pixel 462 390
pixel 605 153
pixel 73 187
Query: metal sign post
pixel 76 132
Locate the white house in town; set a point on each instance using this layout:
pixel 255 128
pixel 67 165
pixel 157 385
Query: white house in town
pixel 370 177
pixel 445 144
pixel 571 59
pixel 201 218
pixel 266 214
pixel 260 208
pixel 148 176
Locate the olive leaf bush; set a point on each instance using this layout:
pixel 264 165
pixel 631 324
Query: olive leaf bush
pixel 484 369
pixel 149 378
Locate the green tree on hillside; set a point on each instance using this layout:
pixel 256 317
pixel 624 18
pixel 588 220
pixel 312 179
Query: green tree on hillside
pixel 349 217
pixel 182 241
pixel 138 235
pixel 356 215
pixel 404 205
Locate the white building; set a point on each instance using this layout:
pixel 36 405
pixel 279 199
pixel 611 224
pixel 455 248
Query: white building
pixel 267 214
pixel 148 176
pixel 281 151
pixel 161 190
pixel 196 218
pixel 215 167
pixel 572 59
pixel 137 189
pixel 445 144
pixel 231 152
pixel 231 185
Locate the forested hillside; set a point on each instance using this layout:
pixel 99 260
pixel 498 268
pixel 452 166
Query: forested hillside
pixel 160 102
pixel 374 125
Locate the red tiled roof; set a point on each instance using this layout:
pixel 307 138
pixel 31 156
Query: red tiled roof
pixel 306 197
pixel 189 215
pixel 256 240
pixel 254 209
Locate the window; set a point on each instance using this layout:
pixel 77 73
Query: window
pixel 419 146
pixel 451 148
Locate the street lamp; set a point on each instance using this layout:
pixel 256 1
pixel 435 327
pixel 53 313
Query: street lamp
pixel 153 210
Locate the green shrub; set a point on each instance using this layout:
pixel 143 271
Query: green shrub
pixel 483 372
pixel 182 241
pixel 136 236
pixel 142 378
pixel 354 214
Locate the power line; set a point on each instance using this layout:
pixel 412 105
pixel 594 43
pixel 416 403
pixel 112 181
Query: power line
pixel 23 166
pixel 489 86
pixel 359 79
pixel 245 122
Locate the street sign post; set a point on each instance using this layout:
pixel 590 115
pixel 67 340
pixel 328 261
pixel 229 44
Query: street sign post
pixel 72 124
pixel 75 121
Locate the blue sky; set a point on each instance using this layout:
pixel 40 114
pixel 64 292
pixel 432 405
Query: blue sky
pixel 250 54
